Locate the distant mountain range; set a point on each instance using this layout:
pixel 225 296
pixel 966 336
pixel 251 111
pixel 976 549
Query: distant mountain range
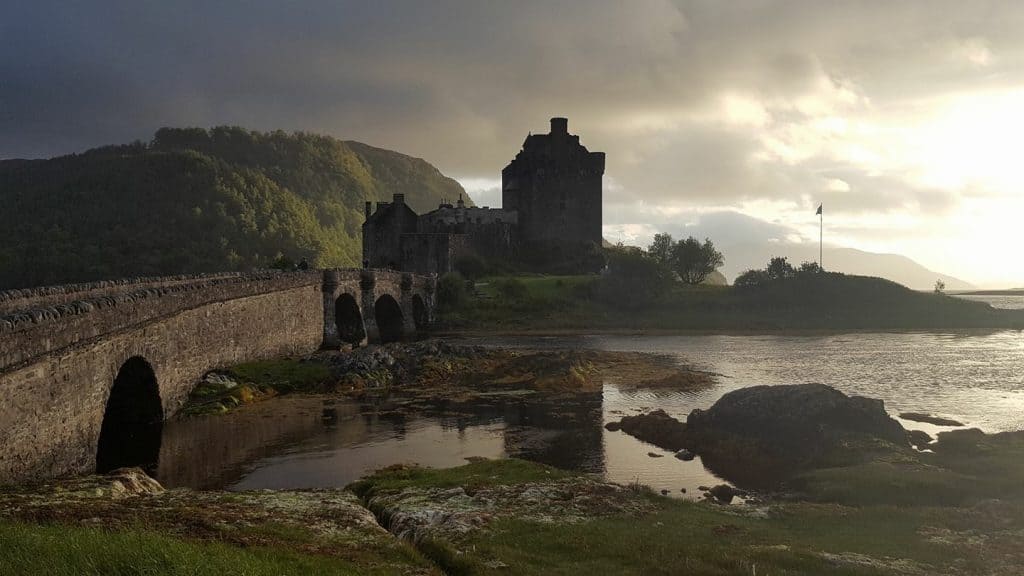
pixel 196 200
pixel 741 257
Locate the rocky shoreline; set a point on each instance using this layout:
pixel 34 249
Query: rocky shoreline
pixel 830 484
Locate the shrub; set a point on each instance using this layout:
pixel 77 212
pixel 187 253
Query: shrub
pixel 634 279
pixel 451 291
pixel 751 278
pixel 511 288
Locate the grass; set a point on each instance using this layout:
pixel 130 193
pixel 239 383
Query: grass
pixel 284 375
pixel 76 551
pixel 258 381
pixel 681 537
pixel 475 474
pixel 828 301
pixel 967 467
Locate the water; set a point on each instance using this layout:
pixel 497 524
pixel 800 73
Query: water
pixel 1004 301
pixel 315 442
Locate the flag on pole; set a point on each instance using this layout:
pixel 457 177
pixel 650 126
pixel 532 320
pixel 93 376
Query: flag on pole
pixel 818 213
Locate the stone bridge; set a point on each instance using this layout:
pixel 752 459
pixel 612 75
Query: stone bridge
pixel 88 372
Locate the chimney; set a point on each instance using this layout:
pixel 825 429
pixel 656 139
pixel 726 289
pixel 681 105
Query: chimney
pixel 559 126
pixel 369 208
pixel 399 199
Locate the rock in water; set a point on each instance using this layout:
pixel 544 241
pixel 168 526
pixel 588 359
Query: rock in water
pixel 919 439
pixel 686 455
pixel 657 428
pixel 781 429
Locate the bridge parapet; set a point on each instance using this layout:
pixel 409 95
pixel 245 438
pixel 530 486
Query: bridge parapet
pixel 29 333
pixel 19 299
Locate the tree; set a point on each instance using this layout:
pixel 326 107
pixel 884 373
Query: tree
pixel 810 268
pixel 694 261
pixel 940 286
pixel 451 291
pixel 661 248
pixel 471 266
pixel 779 268
pixel 634 279
pixel 751 278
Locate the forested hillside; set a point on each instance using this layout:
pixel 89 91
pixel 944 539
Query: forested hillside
pixel 195 200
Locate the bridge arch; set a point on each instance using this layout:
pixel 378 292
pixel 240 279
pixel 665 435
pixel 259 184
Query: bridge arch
pixel 349 319
pixel 420 313
pixel 390 319
pixel 132 420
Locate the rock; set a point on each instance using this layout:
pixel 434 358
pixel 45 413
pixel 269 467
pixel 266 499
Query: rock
pixel 929 419
pixel 703 488
pixel 919 438
pixel 656 428
pixel 683 490
pixel 723 493
pixel 126 482
pixel 685 454
pixel 664 492
pixel 768 431
pixel 655 455
pixel 613 426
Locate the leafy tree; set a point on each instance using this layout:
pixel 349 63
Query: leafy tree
pixel 283 262
pixel 634 279
pixel 471 266
pixel 809 268
pixel 940 286
pixel 780 268
pixel 693 261
pixel 751 278
pixel 451 291
pixel 196 200
pixel 661 248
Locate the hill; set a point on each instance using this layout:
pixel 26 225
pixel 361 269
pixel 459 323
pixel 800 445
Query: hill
pixel 196 200
pixel 741 257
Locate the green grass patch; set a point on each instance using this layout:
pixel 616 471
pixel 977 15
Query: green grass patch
pixel 76 551
pixel 473 475
pixel 681 537
pixel 284 375
pixel 699 539
pixel 257 381
pixel 826 301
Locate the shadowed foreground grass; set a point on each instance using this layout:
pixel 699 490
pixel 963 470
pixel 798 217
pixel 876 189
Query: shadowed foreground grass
pixel 680 537
pixel 75 551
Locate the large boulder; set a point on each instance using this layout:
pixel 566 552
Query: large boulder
pixel 772 431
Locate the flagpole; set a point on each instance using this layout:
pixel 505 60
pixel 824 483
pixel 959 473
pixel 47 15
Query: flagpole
pixel 821 238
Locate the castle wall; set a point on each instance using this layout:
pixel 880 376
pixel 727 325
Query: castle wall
pixel 555 185
pixel 383 230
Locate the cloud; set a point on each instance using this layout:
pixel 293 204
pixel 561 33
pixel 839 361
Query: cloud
pixel 700 105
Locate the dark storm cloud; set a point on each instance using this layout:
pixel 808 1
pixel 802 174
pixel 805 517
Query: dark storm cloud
pixel 460 83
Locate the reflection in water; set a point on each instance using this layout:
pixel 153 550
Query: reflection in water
pixel 321 442
pixel 310 442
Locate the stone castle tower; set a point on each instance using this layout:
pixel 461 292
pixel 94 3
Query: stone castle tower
pixel 555 185
pixel 550 219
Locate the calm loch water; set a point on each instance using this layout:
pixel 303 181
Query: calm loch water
pixel 312 442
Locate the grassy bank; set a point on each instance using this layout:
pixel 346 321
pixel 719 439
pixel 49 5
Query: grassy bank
pixel 60 550
pixel 584 530
pixel 825 301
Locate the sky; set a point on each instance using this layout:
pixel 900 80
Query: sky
pixel 904 119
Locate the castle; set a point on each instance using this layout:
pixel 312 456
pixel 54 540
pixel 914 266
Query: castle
pixel 550 216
